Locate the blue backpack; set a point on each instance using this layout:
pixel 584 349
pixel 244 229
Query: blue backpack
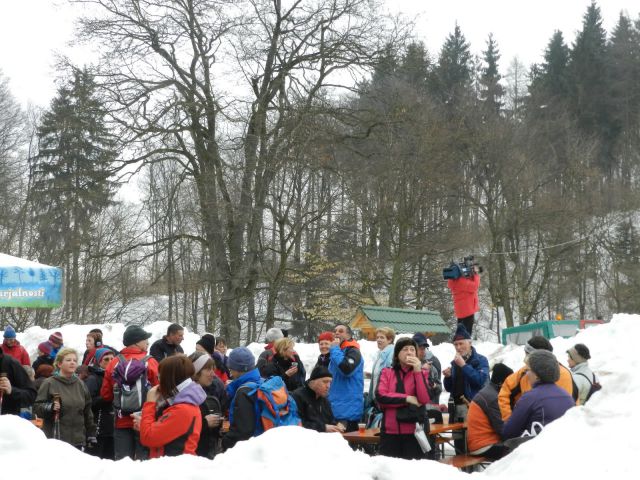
pixel 274 406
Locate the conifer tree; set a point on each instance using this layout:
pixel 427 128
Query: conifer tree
pixel 452 76
pixel 71 184
pixel 491 91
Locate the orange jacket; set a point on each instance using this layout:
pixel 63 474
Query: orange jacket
pixel 510 384
pixel 480 433
pixel 106 391
pixel 176 431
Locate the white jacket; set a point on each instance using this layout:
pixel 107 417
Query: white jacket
pixel 579 372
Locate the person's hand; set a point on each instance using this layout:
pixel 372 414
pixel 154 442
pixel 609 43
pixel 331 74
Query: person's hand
pixel 414 362
pixel 411 400
pixel 459 361
pixel 56 405
pixel 336 342
pixel 153 395
pixel 5 385
pixel 447 372
pixel 334 428
pixel 213 420
pixel 291 372
pixel 137 416
pixel 426 366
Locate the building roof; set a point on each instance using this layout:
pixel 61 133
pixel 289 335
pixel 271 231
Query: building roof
pixel 402 320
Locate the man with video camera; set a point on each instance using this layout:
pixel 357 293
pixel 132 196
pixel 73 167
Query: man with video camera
pixel 463 280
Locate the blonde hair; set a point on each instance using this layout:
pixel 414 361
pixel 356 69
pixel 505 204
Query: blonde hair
pixel 63 353
pixel 282 344
pixel 387 332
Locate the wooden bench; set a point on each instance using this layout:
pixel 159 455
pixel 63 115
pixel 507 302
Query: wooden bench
pixel 465 462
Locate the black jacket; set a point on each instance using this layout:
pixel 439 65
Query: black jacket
pixel 161 349
pixel 23 393
pixel 216 402
pixel 277 365
pixel 103 413
pixel 244 419
pixel 315 412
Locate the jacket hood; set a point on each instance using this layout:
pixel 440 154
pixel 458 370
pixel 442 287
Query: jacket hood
pixel 193 394
pixel 65 380
pixel 16 343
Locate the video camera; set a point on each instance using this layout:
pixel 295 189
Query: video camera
pixel 463 269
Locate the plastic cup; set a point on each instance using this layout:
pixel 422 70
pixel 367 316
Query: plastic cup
pixel 361 428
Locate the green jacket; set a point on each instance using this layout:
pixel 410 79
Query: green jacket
pixel 76 418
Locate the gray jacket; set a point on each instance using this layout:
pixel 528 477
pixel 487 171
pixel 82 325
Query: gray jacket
pixel 583 376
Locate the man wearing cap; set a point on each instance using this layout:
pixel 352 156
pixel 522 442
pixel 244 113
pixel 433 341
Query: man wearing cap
pixel 347 367
pixel 313 407
pixel 103 413
pixel 11 346
pixel 429 361
pixel 541 405
pixel 242 410
pixel 518 383
pixel 578 359
pixel 272 335
pixel 169 344
pixel 126 439
pixel 484 422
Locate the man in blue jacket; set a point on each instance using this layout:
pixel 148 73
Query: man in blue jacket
pixel 468 373
pixel 347 389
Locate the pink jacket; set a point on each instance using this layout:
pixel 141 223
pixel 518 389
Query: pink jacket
pixel 415 384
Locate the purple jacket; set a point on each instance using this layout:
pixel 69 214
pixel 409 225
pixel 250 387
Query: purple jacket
pixel 415 384
pixel 542 404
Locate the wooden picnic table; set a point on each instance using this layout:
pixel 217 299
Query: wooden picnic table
pixel 371 436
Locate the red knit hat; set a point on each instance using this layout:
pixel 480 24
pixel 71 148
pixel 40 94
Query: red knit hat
pixel 45 348
pixel 56 339
pixel 326 336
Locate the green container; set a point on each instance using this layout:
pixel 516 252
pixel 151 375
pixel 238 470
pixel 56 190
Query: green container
pixel 549 329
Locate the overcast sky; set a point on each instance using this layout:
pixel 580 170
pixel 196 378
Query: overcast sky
pixel 31 31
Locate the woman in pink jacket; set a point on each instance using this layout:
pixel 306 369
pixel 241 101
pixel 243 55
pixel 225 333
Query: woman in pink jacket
pixel 401 395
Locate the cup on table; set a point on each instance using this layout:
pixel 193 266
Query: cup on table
pixel 361 428
pixel 445 418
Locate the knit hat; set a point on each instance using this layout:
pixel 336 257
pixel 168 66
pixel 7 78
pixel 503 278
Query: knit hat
pixel 461 333
pixel 134 334
pixel 420 339
pixel 9 332
pixel 101 352
pixel 400 344
pixel 326 336
pixel 538 343
pixel 545 365
pixel 56 339
pixel 500 373
pixel 208 342
pixel 320 372
pixel 44 370
pixel 241 359
pixel 273 334
pixel 579 353
pixel 45 348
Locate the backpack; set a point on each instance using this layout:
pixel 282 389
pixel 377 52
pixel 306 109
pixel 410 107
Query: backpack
pixel 594 386
pixel 273 405
pixel 130 384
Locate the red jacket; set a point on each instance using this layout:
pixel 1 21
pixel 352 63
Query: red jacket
pixel 465 295
pixel 415 384
pixel 176 431
pixel 106 391
pixel 17 351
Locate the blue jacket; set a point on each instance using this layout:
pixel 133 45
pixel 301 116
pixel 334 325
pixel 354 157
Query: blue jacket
pixel 543 404
pixel 346 393
pixel 475 372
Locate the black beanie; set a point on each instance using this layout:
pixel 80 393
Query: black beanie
pixel 320 372
pixel 500 373
pixel 538 343
pixel 208 342
pixel 400 344
pixel 134 334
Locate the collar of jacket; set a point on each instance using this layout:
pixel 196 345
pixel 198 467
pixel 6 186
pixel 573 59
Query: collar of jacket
pixel 349 343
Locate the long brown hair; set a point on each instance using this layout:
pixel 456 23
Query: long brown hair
pixel 173 371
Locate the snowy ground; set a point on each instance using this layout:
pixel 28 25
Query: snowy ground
pixel 588 442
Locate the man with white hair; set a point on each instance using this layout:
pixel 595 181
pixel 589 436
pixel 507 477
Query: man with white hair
pixel 272 335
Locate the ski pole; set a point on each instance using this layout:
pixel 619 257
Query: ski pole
pixel 2 375
pixel 56 418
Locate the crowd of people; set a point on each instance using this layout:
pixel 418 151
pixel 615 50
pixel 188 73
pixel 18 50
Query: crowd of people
pixel 147 401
